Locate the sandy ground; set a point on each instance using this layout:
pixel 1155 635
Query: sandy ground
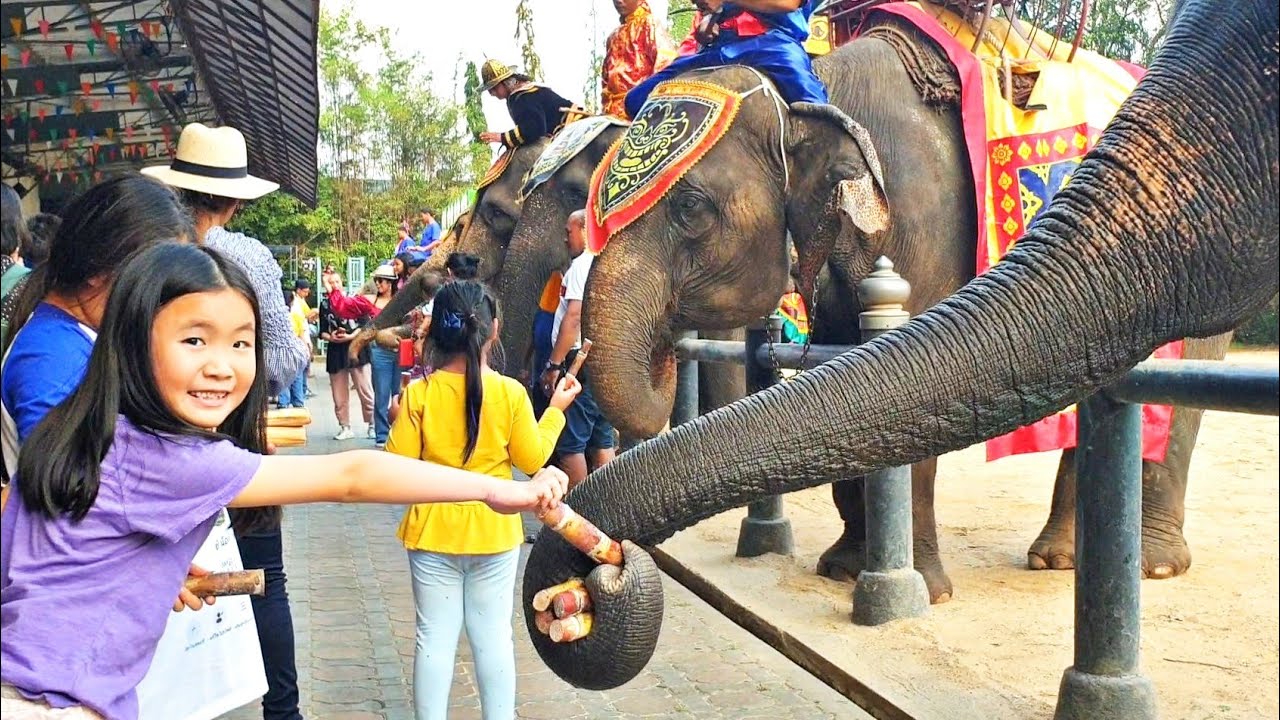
pixel 1209 638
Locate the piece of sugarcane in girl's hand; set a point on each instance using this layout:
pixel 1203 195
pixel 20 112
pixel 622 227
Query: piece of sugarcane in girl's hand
pixel 570 628
pixel 582 534
pixel 542 599
pixel 570 602
pixel 580 358
pixel 238 582
pixel 542 620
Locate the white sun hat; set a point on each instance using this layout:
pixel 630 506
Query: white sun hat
pixel 213 161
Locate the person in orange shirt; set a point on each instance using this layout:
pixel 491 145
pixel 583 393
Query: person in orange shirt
pixel 635 50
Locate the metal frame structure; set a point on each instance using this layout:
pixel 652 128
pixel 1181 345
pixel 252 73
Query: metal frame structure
pixel 95 88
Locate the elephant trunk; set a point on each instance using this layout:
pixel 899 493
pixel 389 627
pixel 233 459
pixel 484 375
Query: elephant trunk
pixel 632 361
pixel 537 250
pixel 1145 245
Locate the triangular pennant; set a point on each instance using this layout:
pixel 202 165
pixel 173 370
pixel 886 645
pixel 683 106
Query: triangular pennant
pixel 13 85
pixel 146 27
pixel 69 49
pixel 4 61
pixel 72 132
pixel 121 30
pixel 58 174
pixel 57 110
pixel 191 86
pixel 86 87
pixel 111 133
pixel 111 90
pixel 40 112
pixel 9 132
pixel 155 85
pixel 62 87
pixel 92 45
pixel 169 87
pixel 53 133
pixel 16 24
pixel 133 92
pixel 113 41
pixel 32 134
pixel 97 104
pixel 44 29
pixel 25 55
pixel 128 131
pixel 96 24
pixel 39 83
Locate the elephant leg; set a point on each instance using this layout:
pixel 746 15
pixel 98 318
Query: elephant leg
pixel 847 556
pixel 924 529
pixel 1055 548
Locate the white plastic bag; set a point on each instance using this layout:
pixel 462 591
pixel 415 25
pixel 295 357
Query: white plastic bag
pixel 208 662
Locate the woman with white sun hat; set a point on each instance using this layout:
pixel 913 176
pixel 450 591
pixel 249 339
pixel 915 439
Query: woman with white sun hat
pixel 211 172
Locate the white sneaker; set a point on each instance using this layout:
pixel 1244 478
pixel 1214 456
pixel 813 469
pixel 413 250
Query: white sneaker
pixel 344 434
pixel 371 434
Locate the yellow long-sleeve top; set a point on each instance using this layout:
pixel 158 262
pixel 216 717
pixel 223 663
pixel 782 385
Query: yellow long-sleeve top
pixel 432 426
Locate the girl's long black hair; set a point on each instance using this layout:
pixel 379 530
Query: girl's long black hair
pixel 59 468
pixel 462 321
pixel 100 228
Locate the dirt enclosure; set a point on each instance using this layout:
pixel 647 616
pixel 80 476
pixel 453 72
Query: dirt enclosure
pixel 1209 638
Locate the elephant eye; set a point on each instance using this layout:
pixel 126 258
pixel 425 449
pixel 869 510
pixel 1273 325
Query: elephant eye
pixel 694 212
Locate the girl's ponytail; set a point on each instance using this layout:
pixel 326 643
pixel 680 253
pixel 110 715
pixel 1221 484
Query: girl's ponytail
pixel 462 323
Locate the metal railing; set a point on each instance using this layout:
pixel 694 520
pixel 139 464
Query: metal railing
pixel 1105 679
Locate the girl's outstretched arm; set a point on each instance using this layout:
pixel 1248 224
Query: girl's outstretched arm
pixel 372 476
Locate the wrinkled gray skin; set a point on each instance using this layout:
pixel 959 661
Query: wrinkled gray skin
pixel 1172 218
pixel 931 231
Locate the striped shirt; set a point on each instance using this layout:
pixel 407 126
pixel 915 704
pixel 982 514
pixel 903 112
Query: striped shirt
pixel 285 354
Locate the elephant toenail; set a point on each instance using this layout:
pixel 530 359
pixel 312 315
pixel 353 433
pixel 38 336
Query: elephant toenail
pixel 1062 562
pixel 1162 572
pixel 1035 562
pixel 944 597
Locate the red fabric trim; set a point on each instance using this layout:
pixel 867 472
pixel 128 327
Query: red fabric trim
pixel 973 111
pixel 745 25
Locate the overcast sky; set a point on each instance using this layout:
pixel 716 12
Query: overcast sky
pixel 441 30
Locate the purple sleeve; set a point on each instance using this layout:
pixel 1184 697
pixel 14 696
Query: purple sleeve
pixel 173 485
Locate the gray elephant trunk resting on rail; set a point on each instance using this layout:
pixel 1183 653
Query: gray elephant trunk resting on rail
pixel 1171 220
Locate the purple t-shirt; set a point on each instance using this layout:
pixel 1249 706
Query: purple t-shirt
pixel 83 604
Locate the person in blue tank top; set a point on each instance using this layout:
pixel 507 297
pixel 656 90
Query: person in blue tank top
pixel 763 34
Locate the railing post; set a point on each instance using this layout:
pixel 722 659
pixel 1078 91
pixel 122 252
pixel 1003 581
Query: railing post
pixel 765 529
pixel 686 405
pixel 890 587
pixel 1104 680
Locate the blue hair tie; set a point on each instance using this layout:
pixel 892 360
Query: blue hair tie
pixel 452 321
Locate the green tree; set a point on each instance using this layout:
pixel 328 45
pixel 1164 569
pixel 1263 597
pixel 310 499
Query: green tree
pixel 591 90
pixel 680 18
pixel 1120 29
pixel 476 122
pixel 524 35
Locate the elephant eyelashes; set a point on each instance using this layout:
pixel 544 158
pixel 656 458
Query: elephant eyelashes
pixel 694 213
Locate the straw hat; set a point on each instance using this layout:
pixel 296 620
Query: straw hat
pixel 214 161
pixel 493 72
pixel 384 271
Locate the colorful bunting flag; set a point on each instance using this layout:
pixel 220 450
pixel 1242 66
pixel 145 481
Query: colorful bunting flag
pixel 92 45
pixel 4 61
pixel 16 24
pixel 72 133
pixel 40 112
pixel 13 85
pixel 69 49
pixel 39 84
pixel 58 174
pixel 111 90
pixel 133 92
pixel 62 87
pixel 86 87
pixel 9 131
pixel 96 24
pixel 97 104
pixel 113 42
pixel 111 133
pixel 53 133
pixel 25 55
pixel 44 29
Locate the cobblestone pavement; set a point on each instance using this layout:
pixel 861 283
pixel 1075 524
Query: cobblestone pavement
pixel 353 612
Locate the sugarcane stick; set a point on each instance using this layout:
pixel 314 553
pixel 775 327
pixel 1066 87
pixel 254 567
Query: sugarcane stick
pixel 582 534
pixel 570 602
pixel 580 358
pixel 542 599
pixel 571 628
pixel 237 582
pixel 542 620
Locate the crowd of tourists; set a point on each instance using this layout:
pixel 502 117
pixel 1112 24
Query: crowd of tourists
pixel 136 379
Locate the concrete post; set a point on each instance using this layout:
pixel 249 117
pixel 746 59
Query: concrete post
pixel 890 587
pixel 1105 681
pixel 686 405
pixel 765 529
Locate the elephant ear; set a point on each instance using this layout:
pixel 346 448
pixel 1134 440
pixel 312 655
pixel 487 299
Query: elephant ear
pixel 860 200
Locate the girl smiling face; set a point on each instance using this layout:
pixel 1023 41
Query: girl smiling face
pixel 202 347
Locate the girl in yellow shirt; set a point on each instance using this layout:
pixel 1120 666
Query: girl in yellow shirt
pixel 463 556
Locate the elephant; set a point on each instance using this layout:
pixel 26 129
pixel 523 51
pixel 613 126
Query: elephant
pixel 537 249
pixel 1173 218
pixel 723 260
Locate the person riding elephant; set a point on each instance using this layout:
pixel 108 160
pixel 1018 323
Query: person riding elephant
pixel 1155 238
pixel 764 34
pixel 537 110
pixel 711 253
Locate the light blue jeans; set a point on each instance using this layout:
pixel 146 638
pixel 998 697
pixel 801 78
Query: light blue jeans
pixel 451 591
pixel 386 382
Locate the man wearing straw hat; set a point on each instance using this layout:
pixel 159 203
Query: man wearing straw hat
pixel 211 173
pixel 537 110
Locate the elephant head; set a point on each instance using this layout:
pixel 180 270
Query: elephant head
pixel 537 246
pixel 497 210
pixel 1168 229
pixel 712 253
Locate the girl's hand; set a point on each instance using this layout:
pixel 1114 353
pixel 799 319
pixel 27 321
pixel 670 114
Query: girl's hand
pixel 566 391
pixel 543 491
pixel 185 596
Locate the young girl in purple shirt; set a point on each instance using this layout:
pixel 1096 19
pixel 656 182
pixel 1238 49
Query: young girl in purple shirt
pixel 121 483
